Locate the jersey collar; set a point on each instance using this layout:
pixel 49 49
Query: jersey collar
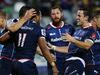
pixel 88 26
pixel 62 24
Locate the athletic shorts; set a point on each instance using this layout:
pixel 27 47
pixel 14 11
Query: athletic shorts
pixel 74 66
pixel 24 67
pixel 5 66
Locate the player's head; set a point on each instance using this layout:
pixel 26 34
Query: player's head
pixel 37 18
pixel 2 19
pixel 23 10
pixel 96 18
pixel 26 8
pixel 56 13
pixel 82 16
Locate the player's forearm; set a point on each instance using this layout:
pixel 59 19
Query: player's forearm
pixel 15 26
pixel 81 44
pixel 45 50
pixel 4 37
pixel 47 55
pixel 63 49
pixel 27 16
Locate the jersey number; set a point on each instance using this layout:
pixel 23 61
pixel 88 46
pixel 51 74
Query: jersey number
pixel 21 39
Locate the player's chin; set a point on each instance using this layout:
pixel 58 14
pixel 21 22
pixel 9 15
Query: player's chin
pixel 78 22
pixel 57 20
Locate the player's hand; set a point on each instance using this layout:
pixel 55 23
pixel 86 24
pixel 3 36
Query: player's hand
pixel 53 56
pixel 51 47
pixel 55 70
pixel 29 14
pixel 68 37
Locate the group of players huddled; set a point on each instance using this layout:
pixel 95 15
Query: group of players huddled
pixel 68 50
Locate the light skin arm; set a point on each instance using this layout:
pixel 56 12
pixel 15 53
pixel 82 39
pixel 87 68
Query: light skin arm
pixel 45 51
pixel 15 26
pixel 86 44
pixel 62 49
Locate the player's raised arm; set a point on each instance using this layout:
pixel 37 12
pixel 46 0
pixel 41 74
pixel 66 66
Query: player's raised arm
pixel 15 26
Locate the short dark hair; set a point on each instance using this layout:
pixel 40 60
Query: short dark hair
pixel 87 13
pixel 25 8
pixel 55 7
pixel 38 12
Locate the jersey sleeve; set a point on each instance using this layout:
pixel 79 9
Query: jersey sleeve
pixel 42 32
pixel 91 36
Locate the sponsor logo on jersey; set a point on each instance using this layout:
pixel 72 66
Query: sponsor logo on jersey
pixel 56 39
pixel 78 38
pixel 27 28
pixel 52 34
pixel 97 41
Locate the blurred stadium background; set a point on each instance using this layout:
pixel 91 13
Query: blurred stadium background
pixel 12 7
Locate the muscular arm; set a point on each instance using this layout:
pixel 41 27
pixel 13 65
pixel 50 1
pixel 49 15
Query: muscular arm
pixel 15 26
pixel 86 44
pixel 82 44
pixel 4 37
pixel 62 49
pixel 47 55
pixel 45 50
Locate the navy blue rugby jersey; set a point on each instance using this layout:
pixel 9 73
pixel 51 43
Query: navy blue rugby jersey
pixel 8 48
pixel 54 34
pixel 82 34
pixel 26 39
pixel 96 48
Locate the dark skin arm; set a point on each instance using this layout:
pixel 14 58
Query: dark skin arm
pixel 4 37
pixel 47 55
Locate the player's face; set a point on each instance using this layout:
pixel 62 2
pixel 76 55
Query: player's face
pixel 56 15
pixel 2 22
pixel 38 19
pixel 98 21
pixel 80 17
pixel 93 23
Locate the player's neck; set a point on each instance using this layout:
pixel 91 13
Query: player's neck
pixel 86 24
pixel 57 24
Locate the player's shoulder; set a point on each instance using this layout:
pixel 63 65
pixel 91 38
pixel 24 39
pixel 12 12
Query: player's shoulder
pixel 48 27
pixel 91 29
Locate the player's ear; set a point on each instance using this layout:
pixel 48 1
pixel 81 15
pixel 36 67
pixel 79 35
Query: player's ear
pixel 86 18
